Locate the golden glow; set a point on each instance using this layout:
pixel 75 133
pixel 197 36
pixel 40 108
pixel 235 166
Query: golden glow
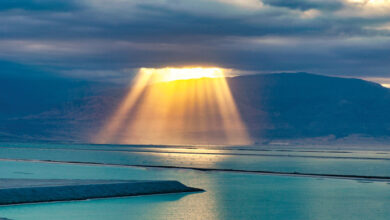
pixel 171 74
pixel 177 106
pixel 365 8
pixel 376 3
pixel 385 82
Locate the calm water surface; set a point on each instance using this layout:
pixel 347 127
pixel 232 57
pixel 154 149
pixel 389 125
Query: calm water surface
pixel 228 195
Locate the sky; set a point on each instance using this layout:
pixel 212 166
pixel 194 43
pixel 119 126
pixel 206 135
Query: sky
pixel 109 40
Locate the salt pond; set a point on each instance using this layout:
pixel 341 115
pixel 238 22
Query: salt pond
pixel 229 195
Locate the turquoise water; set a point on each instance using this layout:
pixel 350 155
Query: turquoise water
pixel 369 163
pixel 228 195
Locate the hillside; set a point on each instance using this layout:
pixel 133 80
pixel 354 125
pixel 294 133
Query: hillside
pixel 274 107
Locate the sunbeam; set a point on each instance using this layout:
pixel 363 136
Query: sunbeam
pixel 177 106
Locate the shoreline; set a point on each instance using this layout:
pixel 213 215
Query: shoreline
pixel 23 191
pixel 260 172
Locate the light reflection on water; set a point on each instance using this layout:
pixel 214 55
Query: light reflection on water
pixel 353 163
pixel 228 195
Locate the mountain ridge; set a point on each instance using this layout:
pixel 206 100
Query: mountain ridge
pixel 277 106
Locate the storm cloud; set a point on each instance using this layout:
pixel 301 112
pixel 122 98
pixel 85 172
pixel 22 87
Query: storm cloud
pixel 97 38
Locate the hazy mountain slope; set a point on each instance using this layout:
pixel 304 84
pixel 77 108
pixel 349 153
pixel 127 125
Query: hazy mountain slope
pixel 307 105
pixel 50 108
pixel 274 106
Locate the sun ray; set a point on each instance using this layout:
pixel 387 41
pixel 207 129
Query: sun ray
pixel 116 121
pixel 177 106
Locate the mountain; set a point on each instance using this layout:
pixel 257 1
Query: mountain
pixel 50 108
pixel 301 105
pixel 284 106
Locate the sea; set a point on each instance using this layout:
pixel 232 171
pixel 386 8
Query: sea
pixel 240 182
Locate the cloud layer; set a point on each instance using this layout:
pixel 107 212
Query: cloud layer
pixel 78 38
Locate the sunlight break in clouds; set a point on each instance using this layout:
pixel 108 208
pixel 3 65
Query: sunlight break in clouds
pixel 171 74
pixel 385 82
pixel 177 106
pixel 250 4
pixel 371 2
pixel 368 7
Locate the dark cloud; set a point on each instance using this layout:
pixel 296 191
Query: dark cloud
pixel 16 70
pixel 39 5
pixel 330 5
pixel 78 37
